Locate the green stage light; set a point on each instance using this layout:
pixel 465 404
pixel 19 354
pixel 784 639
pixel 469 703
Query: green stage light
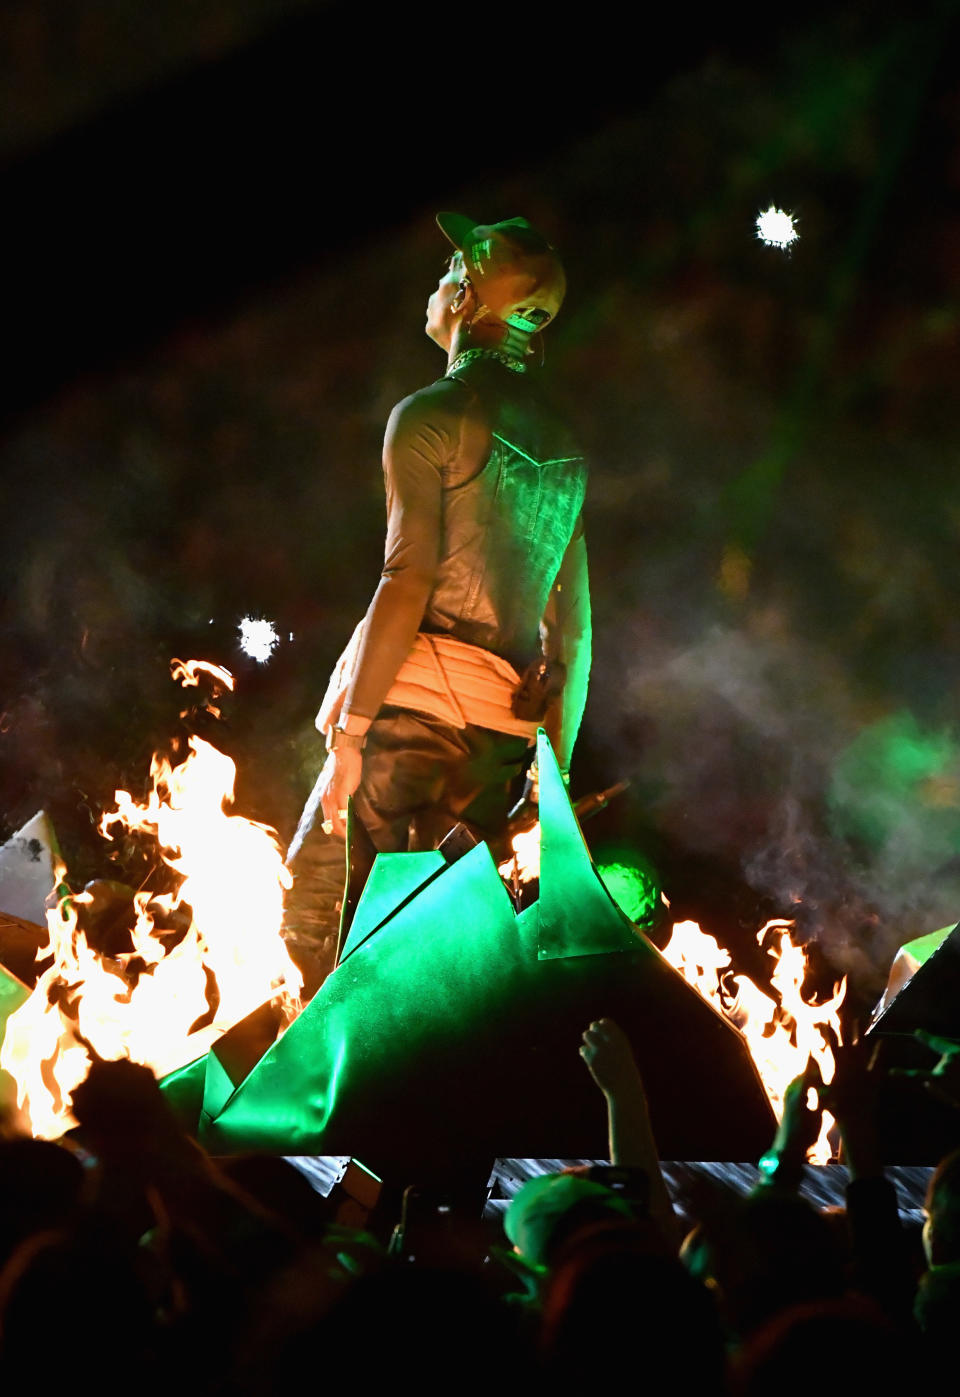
pixel 633 887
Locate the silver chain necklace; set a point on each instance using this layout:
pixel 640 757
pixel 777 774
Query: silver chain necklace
pixel 517 366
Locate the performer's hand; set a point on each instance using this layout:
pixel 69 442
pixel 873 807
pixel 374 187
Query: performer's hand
pixel 339 779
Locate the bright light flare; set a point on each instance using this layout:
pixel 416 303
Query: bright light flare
pixel 258 638
pixel 776 228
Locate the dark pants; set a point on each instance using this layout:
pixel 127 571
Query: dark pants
pixel 420 778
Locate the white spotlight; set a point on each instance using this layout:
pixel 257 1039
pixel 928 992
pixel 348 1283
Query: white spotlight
pixel 776 228
pixel 258 638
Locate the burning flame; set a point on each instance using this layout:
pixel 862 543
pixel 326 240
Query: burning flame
pixel 188 672
pixel 781 1036
pixel 523 865
pixel 157 1004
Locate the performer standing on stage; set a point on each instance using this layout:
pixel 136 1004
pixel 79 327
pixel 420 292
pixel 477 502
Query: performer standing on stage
pixel 479 630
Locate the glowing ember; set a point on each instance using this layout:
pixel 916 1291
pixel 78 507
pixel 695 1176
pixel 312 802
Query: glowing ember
pixel 781 1036
pixel 776 228
pixel 160 1004
pixel 523 866
pixel 258 638
pixel 188 672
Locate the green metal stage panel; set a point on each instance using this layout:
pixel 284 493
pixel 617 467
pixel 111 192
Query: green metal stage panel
pixel 451 1030
pixel 410 994
pixel 183 1090
pixel 13 994
pixel 917 1126
pixel 577 916
pixel 393 879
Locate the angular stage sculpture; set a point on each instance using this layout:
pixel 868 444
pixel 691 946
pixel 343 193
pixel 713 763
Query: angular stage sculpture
pixel 917 1126
pixel 450 1029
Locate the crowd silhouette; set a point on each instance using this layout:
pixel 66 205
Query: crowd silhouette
pixel 128 1255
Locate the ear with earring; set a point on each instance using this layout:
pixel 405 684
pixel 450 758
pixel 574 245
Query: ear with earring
pixel 464 287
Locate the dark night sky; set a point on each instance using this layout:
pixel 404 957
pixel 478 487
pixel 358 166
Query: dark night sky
pixel 220 243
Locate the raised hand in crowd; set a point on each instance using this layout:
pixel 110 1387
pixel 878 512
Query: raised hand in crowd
pixel 852 1099
pixel 942 1080
pixel 782 1165
pixel 879 1257
pixel 609 1057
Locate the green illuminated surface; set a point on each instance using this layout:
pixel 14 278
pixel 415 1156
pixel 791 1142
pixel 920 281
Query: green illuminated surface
pixel 421 977
pixel 12 994
pixel 405 996
pixel 184 1089
pixel 578 917
pixel 393 879
pixel 632 889
pixel 217 1087
pixel 923 947
pixel 451 1026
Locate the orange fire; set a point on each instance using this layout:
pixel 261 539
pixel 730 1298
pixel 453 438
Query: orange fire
pixel 523 865
pixel 232 879
pixel 781 1036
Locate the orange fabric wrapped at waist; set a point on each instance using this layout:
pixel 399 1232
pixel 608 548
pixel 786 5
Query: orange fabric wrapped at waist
pixel 460 684
pixel 446 679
